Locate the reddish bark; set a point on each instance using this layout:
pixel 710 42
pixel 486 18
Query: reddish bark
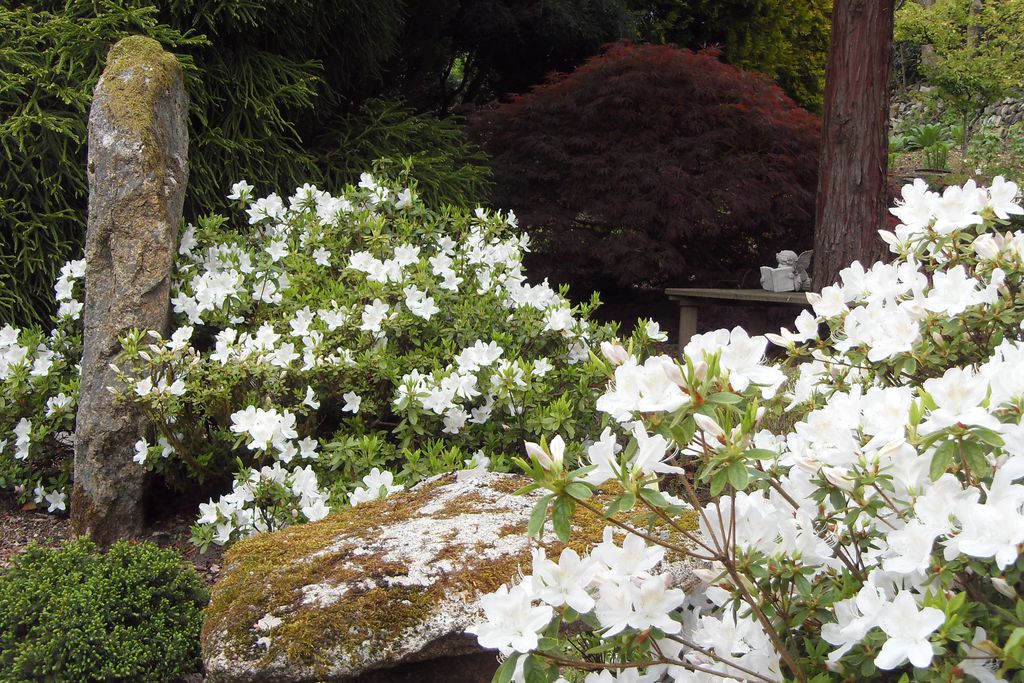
pixel 852 182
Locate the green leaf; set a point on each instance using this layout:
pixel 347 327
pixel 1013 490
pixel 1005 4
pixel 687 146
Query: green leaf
pixel 507 669
pixel 548 644
pixel 579 491
pixel 738 475
pixel 974 455
pixel 526 489
pixel 683 432
pixel 537 517
pixel 561 517
pixel 718 480
pixel 988 436
pixel 534 670
pixel 724 398
pixel 654 497
pixel 761 454
pixel 941 459
pixel 624 502
pixel 1015 640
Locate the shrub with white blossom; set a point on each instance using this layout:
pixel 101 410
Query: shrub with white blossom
pixel 326 339
pixel 877 538
pixel 39 398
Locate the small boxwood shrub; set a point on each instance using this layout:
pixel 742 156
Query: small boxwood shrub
pixel 74 614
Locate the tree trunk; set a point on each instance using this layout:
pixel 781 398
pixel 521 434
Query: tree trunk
pixel 853 176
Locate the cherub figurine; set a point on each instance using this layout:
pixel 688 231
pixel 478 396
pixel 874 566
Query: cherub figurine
pixel 790 275
pixel 799 264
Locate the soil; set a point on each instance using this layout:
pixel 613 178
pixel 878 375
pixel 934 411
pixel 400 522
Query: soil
pixel 21 525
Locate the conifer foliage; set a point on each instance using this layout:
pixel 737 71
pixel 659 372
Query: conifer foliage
pixel 274 87
pixel 651 165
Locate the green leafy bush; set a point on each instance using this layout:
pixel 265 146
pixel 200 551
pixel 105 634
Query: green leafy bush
pixel 975 52
pixel 319 340
pixel 446 166
pixel 72 614
pixel 993 152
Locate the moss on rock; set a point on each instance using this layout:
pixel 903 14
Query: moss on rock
pixel 355 589
pixel 138 69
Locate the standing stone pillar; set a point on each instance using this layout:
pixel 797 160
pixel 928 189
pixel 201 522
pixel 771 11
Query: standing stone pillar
pixel 138 170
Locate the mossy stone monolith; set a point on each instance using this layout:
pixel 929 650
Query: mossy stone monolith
pixel 137 170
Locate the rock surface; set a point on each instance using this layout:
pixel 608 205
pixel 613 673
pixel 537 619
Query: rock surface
pixel 369 588
pixel 383 591
pixel 137 170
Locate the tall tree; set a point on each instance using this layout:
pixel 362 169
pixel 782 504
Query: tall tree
pixel 853 177
pixel 786 40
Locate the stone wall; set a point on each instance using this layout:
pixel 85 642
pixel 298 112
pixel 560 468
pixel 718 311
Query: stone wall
pixel 912 109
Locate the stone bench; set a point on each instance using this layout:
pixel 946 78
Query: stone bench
pixel 691 298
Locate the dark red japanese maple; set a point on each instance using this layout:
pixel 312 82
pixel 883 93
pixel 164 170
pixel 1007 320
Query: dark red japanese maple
pixel 654 166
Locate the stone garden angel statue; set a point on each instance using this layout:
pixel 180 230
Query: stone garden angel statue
pixel 791 273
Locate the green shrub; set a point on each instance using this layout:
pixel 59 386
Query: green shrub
pixel 318 338
pixel 993 152
pixel 72 614
pixel 448 168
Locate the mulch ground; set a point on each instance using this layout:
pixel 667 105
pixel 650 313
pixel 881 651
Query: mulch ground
pixel 22 525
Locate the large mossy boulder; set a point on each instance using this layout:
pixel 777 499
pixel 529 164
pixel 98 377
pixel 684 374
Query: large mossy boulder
pixel 372 587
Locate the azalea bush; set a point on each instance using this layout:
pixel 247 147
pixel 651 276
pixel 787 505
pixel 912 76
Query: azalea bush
pixel 39 398
pixel 878 538
pixel 326 350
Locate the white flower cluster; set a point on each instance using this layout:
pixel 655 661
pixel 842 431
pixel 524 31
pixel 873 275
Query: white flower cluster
pixel 614 585
pixel 28 361
pixel 295 496
pixel 901 475
pixel 56 501
pixel 469 389
pixel 344 333
pixel 68 305
pixel 13 356
pixel 376 485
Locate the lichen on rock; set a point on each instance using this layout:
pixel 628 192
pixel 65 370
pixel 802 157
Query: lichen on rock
pixel 385 583
pixel 391 581
pixel 138 70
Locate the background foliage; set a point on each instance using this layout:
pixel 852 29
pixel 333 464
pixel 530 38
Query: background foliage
pixel 786 40
pixel 253 73
pixel 652 164
pixel 971 54
pixel 290 91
